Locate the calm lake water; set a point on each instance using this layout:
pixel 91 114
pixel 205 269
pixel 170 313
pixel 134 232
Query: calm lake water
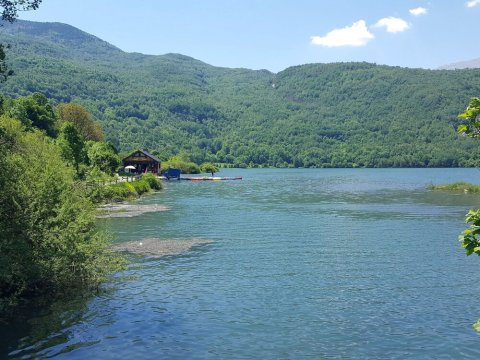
pixel 314 263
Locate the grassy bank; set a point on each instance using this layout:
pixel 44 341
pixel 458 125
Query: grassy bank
pixel 457 187
pixel 126 190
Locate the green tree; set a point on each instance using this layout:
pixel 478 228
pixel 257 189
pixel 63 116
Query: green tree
pixel 49 240
pixel 470 237
pixel 34 111
pixel 10 8
pixel 5 72
pixel 72 145
pixel 82 119
pixel 103 156
pixel 209 168
pixel 181 161
pixel 471 116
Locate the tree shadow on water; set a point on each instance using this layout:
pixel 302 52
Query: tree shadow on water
pixel 44 326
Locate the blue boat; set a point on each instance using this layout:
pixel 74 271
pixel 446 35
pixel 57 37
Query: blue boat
pixel 172 174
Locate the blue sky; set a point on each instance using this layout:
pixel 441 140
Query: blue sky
pixel 276 34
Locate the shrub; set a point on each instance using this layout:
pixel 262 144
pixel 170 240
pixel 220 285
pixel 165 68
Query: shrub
pixel 49 241
pixel 153 182
pixel 125 190
pixel 209 168
pixel 186 167
pixel 140 186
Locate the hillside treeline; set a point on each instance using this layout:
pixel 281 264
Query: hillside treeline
pixel 317 115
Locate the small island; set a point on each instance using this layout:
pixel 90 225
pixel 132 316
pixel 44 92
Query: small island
pixel 459 186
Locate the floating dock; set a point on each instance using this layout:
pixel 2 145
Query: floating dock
pixel 210 178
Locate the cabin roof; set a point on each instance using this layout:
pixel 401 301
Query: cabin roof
pixel 146 153
pixel 150 155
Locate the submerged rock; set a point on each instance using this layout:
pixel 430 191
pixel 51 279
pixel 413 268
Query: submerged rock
pixel 157 247
pixel 128 210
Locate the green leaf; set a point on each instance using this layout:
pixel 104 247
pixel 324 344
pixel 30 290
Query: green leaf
pixel 476 325
pixel 462 128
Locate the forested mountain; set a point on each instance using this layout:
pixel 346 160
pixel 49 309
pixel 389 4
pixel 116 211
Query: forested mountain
pixel 342 114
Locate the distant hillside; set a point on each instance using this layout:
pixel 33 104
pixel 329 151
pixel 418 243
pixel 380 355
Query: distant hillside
pixel 343 114
pixel 470 64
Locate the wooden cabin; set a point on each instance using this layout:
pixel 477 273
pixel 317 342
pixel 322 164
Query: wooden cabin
pixel 143 162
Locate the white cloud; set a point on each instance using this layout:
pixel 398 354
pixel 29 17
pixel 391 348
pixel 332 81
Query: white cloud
pixel 418 11
pixel 392 24
pixel 355 35
pixel 473 3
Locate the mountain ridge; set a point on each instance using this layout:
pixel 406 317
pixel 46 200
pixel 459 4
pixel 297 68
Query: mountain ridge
pixel 56 32
pixel 69 33
pixel 468 64
pixel 322 115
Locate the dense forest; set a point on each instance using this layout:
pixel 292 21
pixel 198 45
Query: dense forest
pixel 316 115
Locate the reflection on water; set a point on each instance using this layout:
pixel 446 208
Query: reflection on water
pixel 320 263
pixel 44 327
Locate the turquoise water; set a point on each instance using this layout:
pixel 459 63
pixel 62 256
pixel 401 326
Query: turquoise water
pixel 313 263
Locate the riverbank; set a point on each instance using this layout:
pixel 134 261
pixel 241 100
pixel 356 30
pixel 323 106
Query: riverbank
pixel 124 191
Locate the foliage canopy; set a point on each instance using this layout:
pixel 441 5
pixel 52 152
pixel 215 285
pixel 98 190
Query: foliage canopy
pixel 472 117
pixel 470 237
pixel 10 8
pixel 49 240
pixel 81 118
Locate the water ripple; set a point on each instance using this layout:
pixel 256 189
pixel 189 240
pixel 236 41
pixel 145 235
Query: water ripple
pixel 334 264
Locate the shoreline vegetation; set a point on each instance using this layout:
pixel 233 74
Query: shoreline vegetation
pixel 56 170
pixel 123 191
pixel 50 242
pixel 460 186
